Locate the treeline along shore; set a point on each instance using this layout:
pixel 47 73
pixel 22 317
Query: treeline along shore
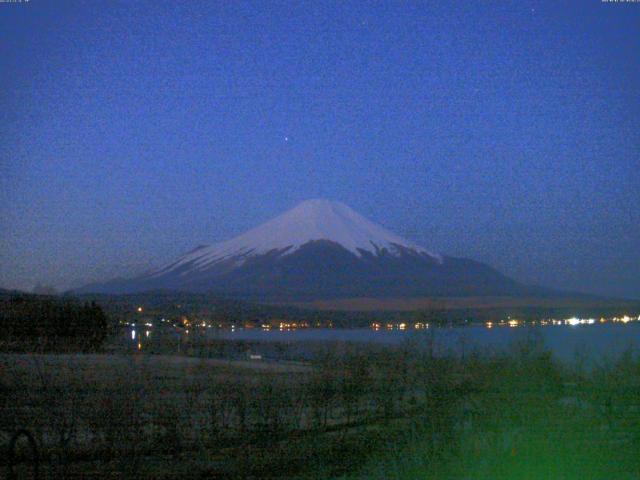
pixel 51 323
pixel 353 313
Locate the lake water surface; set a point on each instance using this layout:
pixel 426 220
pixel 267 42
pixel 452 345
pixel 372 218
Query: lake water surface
pixel 566 342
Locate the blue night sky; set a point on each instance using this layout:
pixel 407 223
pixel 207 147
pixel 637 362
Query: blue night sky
pixel 508 132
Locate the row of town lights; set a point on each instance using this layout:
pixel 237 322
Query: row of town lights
pixel 573 321
pixel 513 322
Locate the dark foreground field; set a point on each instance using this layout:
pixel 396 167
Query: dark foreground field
pixel 356 412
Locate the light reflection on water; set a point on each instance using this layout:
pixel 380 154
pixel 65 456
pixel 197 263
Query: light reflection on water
pixel 564 341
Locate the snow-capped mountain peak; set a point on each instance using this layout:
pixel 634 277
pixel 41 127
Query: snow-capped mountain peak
pixel 319 250
pixel 311 220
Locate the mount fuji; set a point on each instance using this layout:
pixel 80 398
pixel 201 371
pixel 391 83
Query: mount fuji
pixel 318 250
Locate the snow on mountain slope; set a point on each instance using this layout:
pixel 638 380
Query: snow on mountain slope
pixel 319 250
pixel 311 220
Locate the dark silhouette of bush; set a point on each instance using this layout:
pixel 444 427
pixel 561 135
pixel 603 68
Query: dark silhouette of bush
pixel 48 323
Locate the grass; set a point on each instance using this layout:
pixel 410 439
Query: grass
pixel 358 411
pixel 529 418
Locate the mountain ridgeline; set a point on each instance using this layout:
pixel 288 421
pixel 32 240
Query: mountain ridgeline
pixel 318 250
